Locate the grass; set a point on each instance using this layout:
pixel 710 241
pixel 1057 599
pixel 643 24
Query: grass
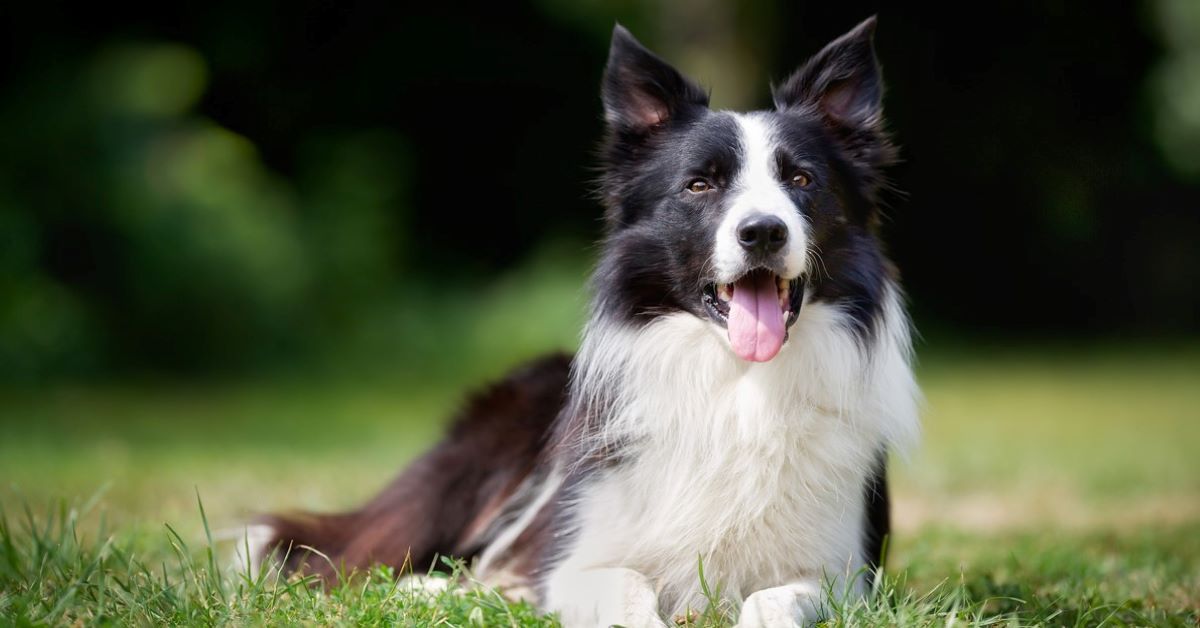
pixel 55 576
pixel 1055 487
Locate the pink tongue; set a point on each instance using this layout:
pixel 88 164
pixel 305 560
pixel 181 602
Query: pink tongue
pixel 755 318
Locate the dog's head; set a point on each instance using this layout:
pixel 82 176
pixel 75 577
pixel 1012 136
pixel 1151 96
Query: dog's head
pixel 738 218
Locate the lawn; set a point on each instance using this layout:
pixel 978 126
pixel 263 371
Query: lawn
pixel 1053 487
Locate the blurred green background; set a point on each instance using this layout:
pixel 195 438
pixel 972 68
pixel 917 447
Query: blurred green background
pixel 261 248
pixel 261 187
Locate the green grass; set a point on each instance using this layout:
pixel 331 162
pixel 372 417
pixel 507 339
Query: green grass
pixel 1060 487
pixel 53 575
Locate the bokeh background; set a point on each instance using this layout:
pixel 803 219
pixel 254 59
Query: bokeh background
pixel 251 185
pixel 260 248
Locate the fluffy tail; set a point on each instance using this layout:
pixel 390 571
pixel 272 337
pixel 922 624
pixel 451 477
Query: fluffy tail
pixel 444 501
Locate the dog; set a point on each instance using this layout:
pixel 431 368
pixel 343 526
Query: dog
pixel 743 374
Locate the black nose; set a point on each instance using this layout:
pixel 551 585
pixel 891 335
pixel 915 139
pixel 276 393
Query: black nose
pixel 762 234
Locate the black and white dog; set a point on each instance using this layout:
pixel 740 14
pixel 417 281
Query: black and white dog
pixel 743 374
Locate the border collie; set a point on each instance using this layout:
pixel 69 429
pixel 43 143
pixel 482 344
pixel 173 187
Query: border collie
pixel 743 374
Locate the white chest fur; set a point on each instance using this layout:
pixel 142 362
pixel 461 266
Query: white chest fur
pixel 757 470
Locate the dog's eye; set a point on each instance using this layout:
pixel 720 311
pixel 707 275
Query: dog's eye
pixel 801 179
pixel 698 186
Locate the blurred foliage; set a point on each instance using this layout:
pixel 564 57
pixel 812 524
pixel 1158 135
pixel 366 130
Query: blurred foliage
pixel 233 186
pixel 163 236
pixel 1175 87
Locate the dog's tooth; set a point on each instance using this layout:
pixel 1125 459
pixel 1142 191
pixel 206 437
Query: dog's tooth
pixel 725 292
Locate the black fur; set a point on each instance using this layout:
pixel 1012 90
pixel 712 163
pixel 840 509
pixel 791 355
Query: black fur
pixel 879 515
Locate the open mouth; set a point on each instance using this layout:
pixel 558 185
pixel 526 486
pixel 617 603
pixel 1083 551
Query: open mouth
pixel 756 310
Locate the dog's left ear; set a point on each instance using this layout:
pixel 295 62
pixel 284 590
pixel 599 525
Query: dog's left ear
pixel 842 82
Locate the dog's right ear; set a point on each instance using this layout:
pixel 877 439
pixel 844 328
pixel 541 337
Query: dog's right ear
pixel 641 92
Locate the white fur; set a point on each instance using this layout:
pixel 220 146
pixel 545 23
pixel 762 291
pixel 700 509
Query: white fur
pixel 250 545
pixel 785 606
pixel 757 189
pixel 609 596
pixel 756 469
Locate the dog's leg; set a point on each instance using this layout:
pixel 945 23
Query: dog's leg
pixel 795 604
pixel 445 502
pixel 604 597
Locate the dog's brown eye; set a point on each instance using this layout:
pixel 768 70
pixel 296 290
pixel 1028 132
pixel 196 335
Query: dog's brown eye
pixel 698 186
pixel 801 179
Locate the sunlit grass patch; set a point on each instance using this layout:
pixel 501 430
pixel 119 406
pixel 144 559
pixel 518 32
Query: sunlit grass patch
pixel 51 574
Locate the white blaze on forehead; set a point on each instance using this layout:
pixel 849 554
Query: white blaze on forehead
pixel 757 189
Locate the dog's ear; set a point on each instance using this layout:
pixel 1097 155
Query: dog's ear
pixel 842 82
pixel 641 92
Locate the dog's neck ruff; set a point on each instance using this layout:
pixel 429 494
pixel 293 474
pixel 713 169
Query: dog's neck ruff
pixel 676 379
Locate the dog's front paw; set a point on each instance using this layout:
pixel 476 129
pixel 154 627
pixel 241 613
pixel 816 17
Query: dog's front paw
pixel 605 597
pixel 787 606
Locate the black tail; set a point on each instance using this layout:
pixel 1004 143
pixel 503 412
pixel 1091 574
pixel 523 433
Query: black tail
pixel 442 502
